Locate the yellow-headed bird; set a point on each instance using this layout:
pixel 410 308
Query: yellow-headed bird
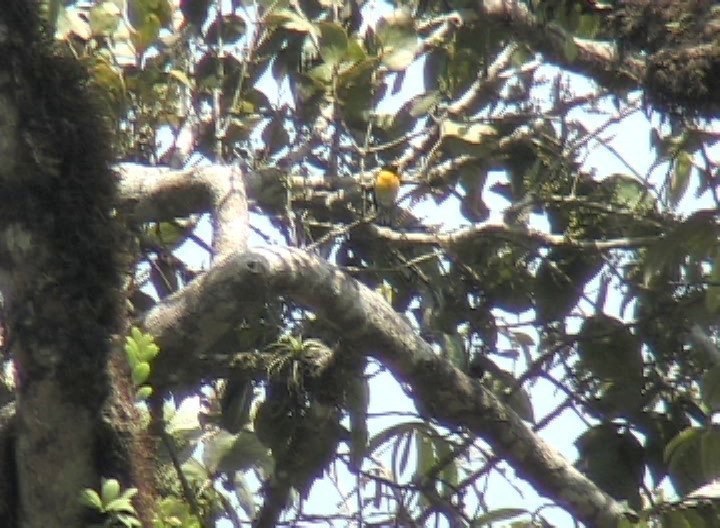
pixel 387 187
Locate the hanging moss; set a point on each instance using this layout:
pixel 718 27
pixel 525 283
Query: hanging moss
pixel 679 39
pixel 60 192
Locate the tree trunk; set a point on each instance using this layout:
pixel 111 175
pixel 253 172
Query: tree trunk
pixel 59 276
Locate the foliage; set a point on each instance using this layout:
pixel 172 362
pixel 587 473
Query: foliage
pixel 292 92
pixel 140 350
pixel 175 513
pixel 112 504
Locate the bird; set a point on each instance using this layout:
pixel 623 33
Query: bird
pixel 385 191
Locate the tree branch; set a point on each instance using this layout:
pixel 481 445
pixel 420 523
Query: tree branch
pixel 521 235
pixel 597 60
pixel 153 193
pixel 188 320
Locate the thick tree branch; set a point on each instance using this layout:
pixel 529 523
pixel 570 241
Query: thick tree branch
pixel 156 193
pixel 149 194
pixel 597 60
pixel 189 320
pixel 153 193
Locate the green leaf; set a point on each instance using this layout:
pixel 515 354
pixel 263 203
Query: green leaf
pixel 136 333
pixel 685 439
pixel 194 471
pixel 184 423
pixel 289 20
pixel 181 77
pixel 683 455
pixel 170 234
pixel 333 43
pixel 712 295
pixel 140 373
pixel 228 453
pixel 426 456
pixel 710 388
pixel 710 453
pixel 129 521
pixel 675 519
pixel 140 347
pixel 392 431
pixel 609 350
pixel 109 490
pixel 398 40
pixel 146 32
pixel 120 505
pixel 129 493
pixel 355 51
pixel 473 133
pixel 148 351
pixel 622 396
pixel 628 192
pixel 694 519
pixel 570 49
pixel 245 495
pixel 588 26
pixel 143 393
pixel 90 498
pixel 104 18
pixel 680 177
pixel 613 459
pixel 449 474
pixel 454 348
pixel 131 351
pixel 423 104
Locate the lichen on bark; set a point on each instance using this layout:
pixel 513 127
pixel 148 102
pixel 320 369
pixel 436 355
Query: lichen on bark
pixel 59 247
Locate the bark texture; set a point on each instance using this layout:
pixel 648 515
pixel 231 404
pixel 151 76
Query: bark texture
pixel 59 278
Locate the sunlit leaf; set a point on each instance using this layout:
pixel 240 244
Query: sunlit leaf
pixel 143 393
pixel 140 373
pixel 146 32
pixel 104 18
pixel 90 499
pixel 180 76
pixel 109 490
pixel 290 20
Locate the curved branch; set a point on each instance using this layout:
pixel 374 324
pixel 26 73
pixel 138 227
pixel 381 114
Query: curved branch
pixel 152 193
pixel 188 320
pixel 598 60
